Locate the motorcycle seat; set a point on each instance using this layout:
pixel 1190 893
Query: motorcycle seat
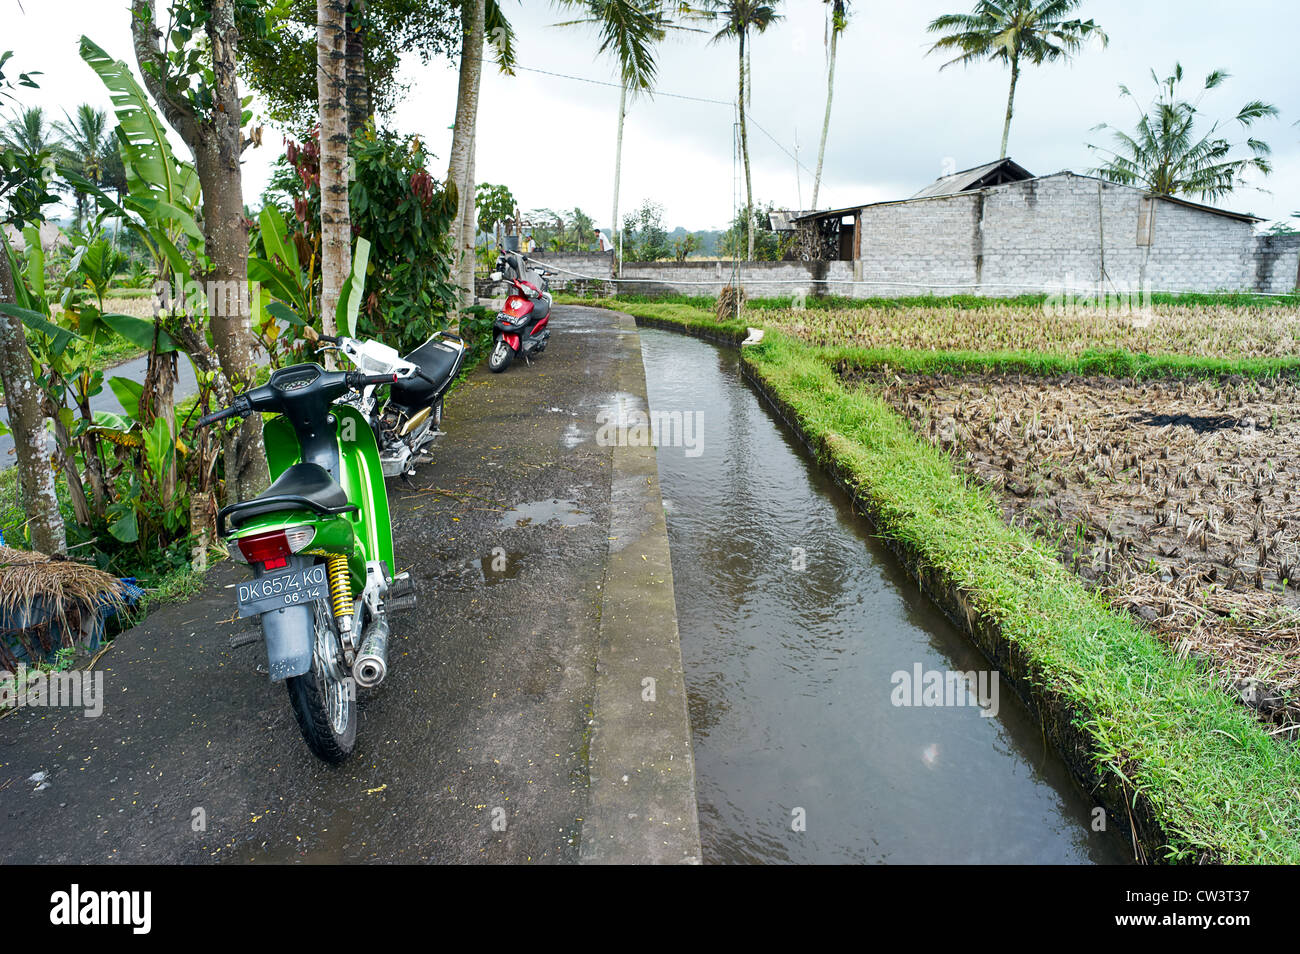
pixel 302 486
pixel 440 358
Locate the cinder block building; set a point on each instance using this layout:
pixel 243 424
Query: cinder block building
pixel 997 229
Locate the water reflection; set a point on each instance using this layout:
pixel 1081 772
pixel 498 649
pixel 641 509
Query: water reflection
pixel 793 621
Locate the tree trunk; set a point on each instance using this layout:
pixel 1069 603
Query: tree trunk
pixel 216 144
pixel 25 405
pixel 618 163
pixel 90 447
pixel 225 232
pixel 469 234
pixel 160 390
pixel 826 122
pixel 1011 98
pixel 67 458
pixel 335 217
pixel 473 16
pixel 357 79
pixel 744 151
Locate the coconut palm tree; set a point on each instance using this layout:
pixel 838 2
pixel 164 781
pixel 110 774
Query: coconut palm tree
pixel 87 146
pixel 629 29
pixel 28 133
pixel 1015 32
pixel 1167 156
pixel 838 13
pixel 335 215
pixel 740 18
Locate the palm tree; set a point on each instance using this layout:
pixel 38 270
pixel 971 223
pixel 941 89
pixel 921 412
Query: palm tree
pixel 335 215
pixel 839 19
pixel 28 133
pixel 87 142
pixel 482 21
pixel 740 17
pixel 629 29
pixel 1167 157
pixel 1014 31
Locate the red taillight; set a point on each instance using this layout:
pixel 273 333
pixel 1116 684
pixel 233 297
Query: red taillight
pixel 270 549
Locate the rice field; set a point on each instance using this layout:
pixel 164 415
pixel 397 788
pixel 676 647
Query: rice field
pixel 1222 331
pixel 1176 499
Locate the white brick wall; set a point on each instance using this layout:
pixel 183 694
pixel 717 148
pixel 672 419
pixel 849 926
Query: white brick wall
pixel 1038 235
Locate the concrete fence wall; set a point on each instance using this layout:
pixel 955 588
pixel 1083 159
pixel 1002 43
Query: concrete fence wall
pixel 1041 235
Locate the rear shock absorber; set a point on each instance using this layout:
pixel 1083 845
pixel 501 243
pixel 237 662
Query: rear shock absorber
pixel 340 591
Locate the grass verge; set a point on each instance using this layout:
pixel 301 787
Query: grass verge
pixel 1188 769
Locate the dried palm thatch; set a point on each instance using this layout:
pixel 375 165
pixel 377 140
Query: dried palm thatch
pixel 730 302
pixel 45 595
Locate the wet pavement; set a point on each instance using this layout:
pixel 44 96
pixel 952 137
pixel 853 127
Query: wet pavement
pixel 483 719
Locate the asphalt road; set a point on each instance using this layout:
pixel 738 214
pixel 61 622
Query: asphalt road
pixel 106 400
pixel 485 714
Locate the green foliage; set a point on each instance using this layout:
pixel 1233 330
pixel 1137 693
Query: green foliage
pixel 402 211
pixel 277 55
pixel 493 204
pixel 644 237
pixel 561 231
pixel 25 174
pixel 1166 155
pixel 769 246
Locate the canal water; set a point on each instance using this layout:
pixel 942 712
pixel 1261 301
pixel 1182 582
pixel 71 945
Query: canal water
pixel 801 637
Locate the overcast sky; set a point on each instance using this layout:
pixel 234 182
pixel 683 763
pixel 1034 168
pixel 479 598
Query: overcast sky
pixel 896 118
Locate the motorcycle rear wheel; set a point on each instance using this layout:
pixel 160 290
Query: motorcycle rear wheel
pixel 323 698
pixel 501 356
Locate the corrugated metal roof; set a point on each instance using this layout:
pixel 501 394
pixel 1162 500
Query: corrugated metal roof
pixel 991 173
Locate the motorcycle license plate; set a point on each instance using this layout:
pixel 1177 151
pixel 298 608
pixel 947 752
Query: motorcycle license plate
pixel 282 588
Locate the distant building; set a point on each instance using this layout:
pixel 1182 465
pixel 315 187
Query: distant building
pixel 51 237
pixel 998 229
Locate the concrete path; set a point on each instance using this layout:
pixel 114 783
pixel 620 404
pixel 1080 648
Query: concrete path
pixel 512 727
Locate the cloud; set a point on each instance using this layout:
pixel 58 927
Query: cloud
pixel 896 117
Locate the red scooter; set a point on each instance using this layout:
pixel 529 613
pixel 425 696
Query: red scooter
pixel 520 328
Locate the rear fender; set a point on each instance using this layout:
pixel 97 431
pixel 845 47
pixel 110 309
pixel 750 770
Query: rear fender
pixel 289 633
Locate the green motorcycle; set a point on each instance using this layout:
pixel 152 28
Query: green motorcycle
pixel 320 545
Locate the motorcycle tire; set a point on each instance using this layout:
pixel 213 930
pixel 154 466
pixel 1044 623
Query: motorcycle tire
pixel 323 703
pixel 501 356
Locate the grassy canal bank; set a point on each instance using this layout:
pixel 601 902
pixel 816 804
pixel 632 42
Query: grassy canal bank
pixel 1149 732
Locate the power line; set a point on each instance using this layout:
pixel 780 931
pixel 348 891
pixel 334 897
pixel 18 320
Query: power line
pixel 584 79
pixel 696 99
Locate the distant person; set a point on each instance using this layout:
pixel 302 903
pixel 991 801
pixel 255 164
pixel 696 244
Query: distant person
pixel 605 244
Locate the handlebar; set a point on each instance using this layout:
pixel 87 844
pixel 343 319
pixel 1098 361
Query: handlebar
pixel 240 407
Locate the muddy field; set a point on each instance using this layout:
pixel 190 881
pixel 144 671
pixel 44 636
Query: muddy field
pixel 1212 331
pixel 1176 499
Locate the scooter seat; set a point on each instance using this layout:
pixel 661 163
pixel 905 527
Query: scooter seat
pixel 302 486
pixel 440 358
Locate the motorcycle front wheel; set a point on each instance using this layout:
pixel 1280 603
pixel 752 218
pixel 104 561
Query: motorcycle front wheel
pixel 501 356
pixel 324 697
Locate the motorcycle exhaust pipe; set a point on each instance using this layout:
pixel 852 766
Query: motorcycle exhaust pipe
pixel 372 662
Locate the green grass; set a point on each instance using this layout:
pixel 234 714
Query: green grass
pixel 1221 787
pixel 967 302
pixel 1108 363
pixel 1116 364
